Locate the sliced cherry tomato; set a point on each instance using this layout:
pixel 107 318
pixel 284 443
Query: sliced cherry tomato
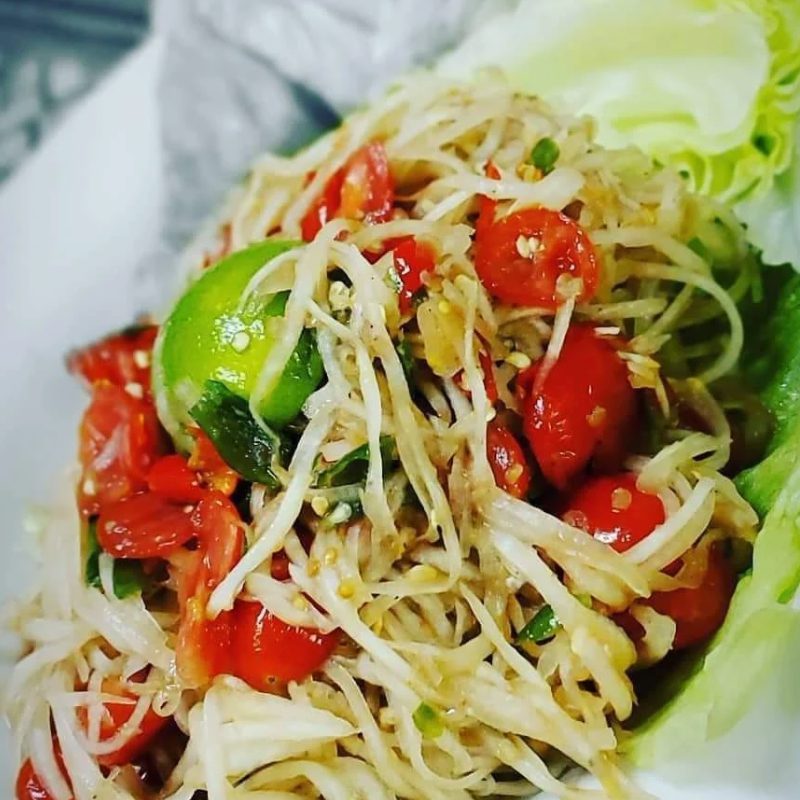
pixel 489 382
pixel 221 534
pixel 279 567
pixel 411 260
pixel 486 205
pixel 204 645
pixel 115 715
pixel 29 784
pixel 268 651
pixel 362 189
pixel 554 245
pixel 507 460
pixel 144 525
pixel 613 510
pixel 122 359
pixel 584 411
pixel 172 478
pixel 699 612
pixel 213 470
pixel 324 208
pixel 119 441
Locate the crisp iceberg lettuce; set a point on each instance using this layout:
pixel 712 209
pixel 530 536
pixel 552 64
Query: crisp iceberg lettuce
pixel 710 86
pixel 712 693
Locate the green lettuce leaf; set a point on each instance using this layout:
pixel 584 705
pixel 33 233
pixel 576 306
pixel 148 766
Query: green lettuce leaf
pixel 709 86
pixel 705 696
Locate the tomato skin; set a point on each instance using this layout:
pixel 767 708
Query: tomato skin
pixel 114 717
pixel 120 438
pixel 144 525
pixel 699 612
pixel 600 506
pixel 411 260
pixel 584 411
pixel 506 458
pixel 203 649
pixel 29 784
pixel 362 189
pixel 172 478
pixel 209 463
pixel 324 208
pixel 564 249
pixel 268 651
pixel 122 359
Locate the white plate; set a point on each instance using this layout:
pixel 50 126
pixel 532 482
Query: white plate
pixel 75 223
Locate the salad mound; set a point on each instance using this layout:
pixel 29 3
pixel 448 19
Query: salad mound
pixel 424 473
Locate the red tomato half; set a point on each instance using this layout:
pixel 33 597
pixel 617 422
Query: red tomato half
pixel 507 460
pixel 584 411
pixel 411 260
pixel 115 715
pixel 215 473
pixel 122 359
pixel 144 525
pixel 119 441
pixel 699 612
pixel 613 510
pixel 30 786
pixel 172 478
pixel 557 246
pixel 204 645
pixel 362 189
pixel 268 651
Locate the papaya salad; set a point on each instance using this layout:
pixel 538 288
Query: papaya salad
pixel 424 471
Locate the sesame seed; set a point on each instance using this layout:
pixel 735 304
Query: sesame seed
pixel 241 341
pixel 522 246
pixel 300 603
pixel 141 358
pixel 513 474
pixel 596 417
pixel 135 390
pixel 89 487
pixel 518 359
pixel 320 505
pixel 621 499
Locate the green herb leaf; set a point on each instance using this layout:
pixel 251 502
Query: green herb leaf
pixel 129 579
pixel 352 468
pixel 542 626
pixel 544 155
pixel 243 444
pixel 428 721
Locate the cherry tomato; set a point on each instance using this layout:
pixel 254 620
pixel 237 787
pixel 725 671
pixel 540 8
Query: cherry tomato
pixel 30 786
pixel 362 189
pixel 221 534
pixel 279 566
pixel 324 208
pixel 507 460
pixel 699 612
pixel 115 715
pixel 122 359
pixel 208 462
pixel 268 651
pixel 172 478
pixel 489 382
pixel 613 510
pixel 556 246
pixel 411 260
pixel 204 646
pixel 486 205
pixel 584 411
pixel 144 525
pixel 119 441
